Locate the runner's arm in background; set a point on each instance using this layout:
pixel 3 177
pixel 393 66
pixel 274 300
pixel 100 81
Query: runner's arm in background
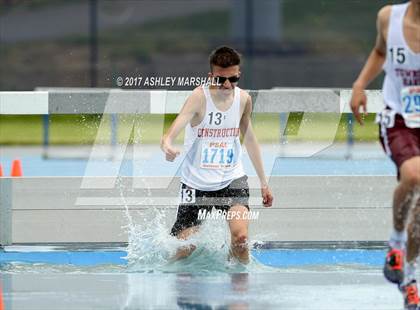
pixel 372 67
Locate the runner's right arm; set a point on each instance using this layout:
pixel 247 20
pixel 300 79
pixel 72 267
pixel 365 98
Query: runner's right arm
pixel 188 111
pixel 373 65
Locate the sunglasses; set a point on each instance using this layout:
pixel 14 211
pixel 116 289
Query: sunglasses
pixel 221 79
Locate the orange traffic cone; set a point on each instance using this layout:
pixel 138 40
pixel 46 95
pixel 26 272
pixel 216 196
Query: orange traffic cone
pixel 16 168
pixel 1 171
pixel 1 300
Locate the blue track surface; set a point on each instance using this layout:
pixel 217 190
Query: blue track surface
pixel 274 257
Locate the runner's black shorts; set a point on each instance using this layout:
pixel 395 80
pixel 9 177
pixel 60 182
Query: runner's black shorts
pixel 236 193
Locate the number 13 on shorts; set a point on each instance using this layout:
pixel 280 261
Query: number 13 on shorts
pixel 187 195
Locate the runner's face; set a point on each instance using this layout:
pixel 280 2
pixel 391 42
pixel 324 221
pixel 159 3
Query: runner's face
pixel 228 72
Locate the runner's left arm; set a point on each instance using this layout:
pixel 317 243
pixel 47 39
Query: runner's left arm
pixel 254 152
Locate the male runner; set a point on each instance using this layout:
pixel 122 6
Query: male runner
pixel 397 50
pixel 212 174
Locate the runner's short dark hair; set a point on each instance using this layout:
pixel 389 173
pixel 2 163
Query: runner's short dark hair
pixel 224 57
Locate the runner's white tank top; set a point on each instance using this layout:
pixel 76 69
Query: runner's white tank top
pixel 213 158
pixel 402 65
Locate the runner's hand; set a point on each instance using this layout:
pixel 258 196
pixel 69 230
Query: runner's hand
pixel 170 152
pixel 267 196
pixel 358 99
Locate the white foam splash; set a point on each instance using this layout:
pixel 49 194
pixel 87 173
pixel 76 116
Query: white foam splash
pixel 151 248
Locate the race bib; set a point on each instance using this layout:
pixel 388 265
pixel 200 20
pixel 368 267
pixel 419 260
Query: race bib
pixel 410 99
pixel 217 155
pixel 386 118
pixel 187 195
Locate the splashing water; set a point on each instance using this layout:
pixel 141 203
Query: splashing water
pixel 151 248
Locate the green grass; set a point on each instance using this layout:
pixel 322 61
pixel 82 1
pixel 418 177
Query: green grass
pixel 148 129
pixel 323 126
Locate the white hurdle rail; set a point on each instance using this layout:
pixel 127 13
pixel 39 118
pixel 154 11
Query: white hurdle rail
pixel 115 101
pixel 41 210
